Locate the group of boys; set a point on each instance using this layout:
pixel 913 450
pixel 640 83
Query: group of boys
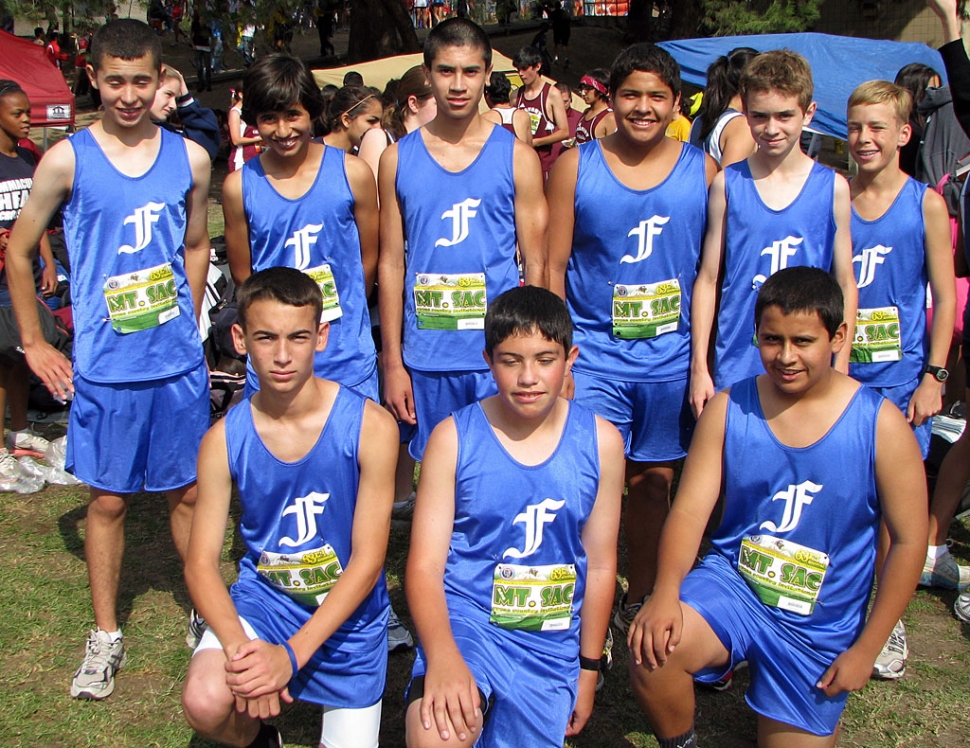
pixel 511 574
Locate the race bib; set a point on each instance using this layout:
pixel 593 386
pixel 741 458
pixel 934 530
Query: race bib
pixel 306 576
pixel 323 277
pixel 535 118
pixel 533 598
pixel 450 301
pixel 646 310
pixel 142 299
pixel 877 336
pixel 783 574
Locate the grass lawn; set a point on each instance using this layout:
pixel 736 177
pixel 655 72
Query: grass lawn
pixel 43 586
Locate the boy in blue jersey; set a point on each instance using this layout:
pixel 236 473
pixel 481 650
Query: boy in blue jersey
pixel 307 206
pixel 788 579
pixel 776 209
pixel 313 462
pixel 134 198
pixel 901 240
pixel 627 275
pixel 457 197
pixel 513 548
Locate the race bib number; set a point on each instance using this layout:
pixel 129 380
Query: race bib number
pixel 450 302
pixel 783 574
pixel 533 598
pixel 877 336
pixel 141 300
pixel 646 310
pixel 306 576
pixel 323 277
pixel 535 118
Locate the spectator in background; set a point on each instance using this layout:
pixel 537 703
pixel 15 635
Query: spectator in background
pixel 53 51
pixel 720 129
pixel 194 121
pixel 353 111
pixel 202 42
pixel 915 78
pixel 244 140
pixel 39 37
pixel 501 111
pixel 353 78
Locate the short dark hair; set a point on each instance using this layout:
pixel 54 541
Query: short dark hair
pixel 353 78
pixel 456 32
pixel 281 284
pixel 527 57
pixel 127 39
pixel 8 87
pixel 646 58
pixel 803 289
pixel 525 310
pixel 498 89
pixel 276 82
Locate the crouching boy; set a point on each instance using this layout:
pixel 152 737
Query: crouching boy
pixel 512 567
pixel 810 461
pixel 314 465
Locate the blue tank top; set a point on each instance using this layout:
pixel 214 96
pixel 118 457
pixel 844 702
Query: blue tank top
pixel 297 517
pixel 316 233
pixel 517 524
pixel 631 272
pixel 889 258
pixel 822 497
pixel 126 239
pixel 460 250
pixel 759 242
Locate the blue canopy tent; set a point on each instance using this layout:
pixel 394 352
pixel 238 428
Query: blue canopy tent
pixel 839 64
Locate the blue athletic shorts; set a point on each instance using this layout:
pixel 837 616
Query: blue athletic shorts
pixel 654 418
pixel 126 437
pixel 899 396
pixel 784 666
pixel 346 673
pixel 439 394
pixel 529 695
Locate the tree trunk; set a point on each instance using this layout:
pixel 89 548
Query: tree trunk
pixel 639 22
pixel 685 19
pixel 380 28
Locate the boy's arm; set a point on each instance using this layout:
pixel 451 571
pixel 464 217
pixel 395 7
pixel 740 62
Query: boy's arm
pixel 197 244
pixel 200 124
pixel 259 669
pixel 955 59
pixel 657 627
pixel 531 213
pixel 450 694
pixel 561 191
pixel 52 184
pixel 704 298
pixel 927 400
pixel 842 265
pixel 599 542
pixel 364 189
pixel 238 251
pixel 901 484
pixel 398 396
pixel 556 112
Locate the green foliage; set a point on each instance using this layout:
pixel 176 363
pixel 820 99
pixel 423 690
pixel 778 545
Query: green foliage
pixel 734 17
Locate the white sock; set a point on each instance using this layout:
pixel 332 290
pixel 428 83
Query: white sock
pixel 112 635
pixel 934 552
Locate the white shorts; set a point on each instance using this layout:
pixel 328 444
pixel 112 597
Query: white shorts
pixel 342 727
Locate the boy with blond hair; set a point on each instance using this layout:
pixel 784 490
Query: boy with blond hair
pixel 901 241
pixel 778 208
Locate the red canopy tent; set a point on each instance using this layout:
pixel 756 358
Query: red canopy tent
pixel 51 101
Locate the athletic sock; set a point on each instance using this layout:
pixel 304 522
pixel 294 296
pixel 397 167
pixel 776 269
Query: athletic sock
pixel 687 740
pixel 265 737
pixel 934 552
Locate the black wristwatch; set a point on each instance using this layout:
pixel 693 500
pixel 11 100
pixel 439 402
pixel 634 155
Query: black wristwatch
pixel 939 372
pixel 589 663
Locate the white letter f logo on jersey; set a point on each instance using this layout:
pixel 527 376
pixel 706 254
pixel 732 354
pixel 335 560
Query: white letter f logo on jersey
pixel 535 517
pixel 459 215
pixel 301 241
pixel 143 218
pixel 869 259
pixel 795 497
pixel 645 232
pixel 306 508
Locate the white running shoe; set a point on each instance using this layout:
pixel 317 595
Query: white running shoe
pixel 961 608
pixel 946 573
pixel 95 679
pixel 891 662
pixel 26 442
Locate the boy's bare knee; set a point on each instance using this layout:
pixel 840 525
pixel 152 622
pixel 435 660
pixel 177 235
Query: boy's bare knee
pixel 107 507
pixel 416 736
pixel 206 698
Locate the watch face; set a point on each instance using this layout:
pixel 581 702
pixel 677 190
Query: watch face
pixel 942 375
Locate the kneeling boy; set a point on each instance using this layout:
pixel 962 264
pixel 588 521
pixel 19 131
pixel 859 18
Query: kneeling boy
pixel 307 617
pixel 513 546
pixel 787 582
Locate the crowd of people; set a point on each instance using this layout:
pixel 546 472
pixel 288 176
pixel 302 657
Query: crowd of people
pixel 569 306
